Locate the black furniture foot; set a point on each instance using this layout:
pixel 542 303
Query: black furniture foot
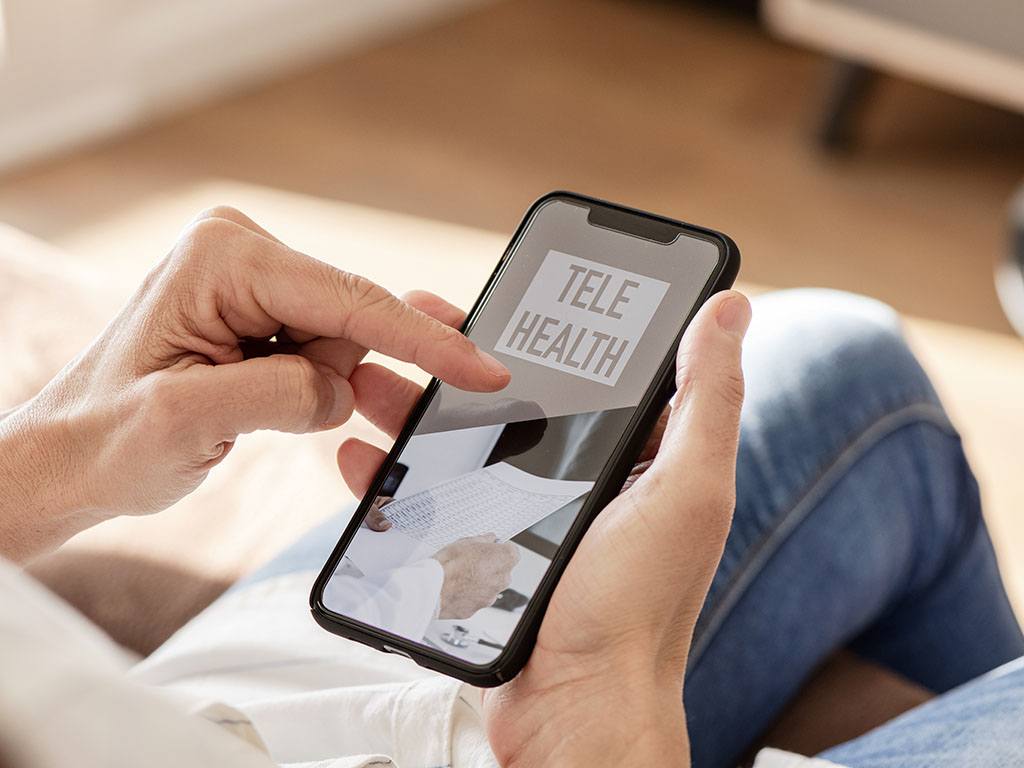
pixel 845 99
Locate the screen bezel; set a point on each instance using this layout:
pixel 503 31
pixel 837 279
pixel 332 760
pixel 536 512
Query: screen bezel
pixel 607 485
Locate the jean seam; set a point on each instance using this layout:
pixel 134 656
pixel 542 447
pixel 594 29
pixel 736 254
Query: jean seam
pixel 770 543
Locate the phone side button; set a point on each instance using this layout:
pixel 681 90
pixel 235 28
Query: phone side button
pixel 389 649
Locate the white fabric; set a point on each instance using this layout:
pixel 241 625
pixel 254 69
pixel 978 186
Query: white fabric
pixel 774 758
pixel 281 689
pixel 405 599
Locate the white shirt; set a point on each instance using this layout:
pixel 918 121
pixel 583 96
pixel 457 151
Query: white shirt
pixel 251 682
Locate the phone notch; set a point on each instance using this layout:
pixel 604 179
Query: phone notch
pixel 635 224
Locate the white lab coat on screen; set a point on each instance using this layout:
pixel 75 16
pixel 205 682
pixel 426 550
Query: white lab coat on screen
pixel 401 600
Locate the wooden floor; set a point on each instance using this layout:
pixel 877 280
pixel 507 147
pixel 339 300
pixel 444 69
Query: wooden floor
pixel 665 106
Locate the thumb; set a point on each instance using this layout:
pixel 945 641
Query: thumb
pixel 287 393
pixel 702 433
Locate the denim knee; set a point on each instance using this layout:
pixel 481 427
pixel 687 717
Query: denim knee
pixel 826 374
pixel 844 349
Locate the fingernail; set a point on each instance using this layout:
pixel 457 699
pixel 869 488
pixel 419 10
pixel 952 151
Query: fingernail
pixel 734 316
pixel 341 409
pixel 492 364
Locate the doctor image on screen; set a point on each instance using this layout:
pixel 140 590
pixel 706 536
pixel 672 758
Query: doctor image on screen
pixel 405 592
pixel 454 583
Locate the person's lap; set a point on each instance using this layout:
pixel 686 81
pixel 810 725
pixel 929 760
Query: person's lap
pixel 857 525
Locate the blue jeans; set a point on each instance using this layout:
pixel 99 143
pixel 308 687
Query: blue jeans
pixel 857 525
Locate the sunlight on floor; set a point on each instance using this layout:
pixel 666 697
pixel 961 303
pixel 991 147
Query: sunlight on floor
pixel 401 250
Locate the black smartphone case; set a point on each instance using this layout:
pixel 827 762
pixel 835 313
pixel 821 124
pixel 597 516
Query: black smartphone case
pixel 516 653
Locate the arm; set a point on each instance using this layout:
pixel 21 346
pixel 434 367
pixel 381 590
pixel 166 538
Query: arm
pixel 37 508
pixel 231 333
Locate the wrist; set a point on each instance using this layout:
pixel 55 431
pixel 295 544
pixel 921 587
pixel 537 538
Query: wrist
pixel 610 732
pixel 40 467
pixel 619 717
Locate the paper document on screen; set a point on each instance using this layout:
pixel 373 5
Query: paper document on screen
pixel 498 499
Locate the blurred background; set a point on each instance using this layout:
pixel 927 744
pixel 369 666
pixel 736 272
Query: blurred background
pixel 466 110
pixel 874 146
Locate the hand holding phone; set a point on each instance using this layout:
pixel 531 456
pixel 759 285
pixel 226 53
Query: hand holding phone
pixel 613 646
pixel 585 309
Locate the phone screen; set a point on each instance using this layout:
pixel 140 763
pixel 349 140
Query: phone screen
pixel 485 489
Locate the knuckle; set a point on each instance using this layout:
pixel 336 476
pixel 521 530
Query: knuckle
pixel 359 295
pixel 732 388
pixel 441 333
pixel 725 383
pixel 304 374
pixel 685 372
pixel 221 212
pixel 686 384
pixel 203 239
pixel 208 231
pixel 362 293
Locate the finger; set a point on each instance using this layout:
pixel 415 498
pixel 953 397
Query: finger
pixel 359 463
pixel 266 286
pixel 431 304
pixel 373 520
pixel 376 520
pixel 308 295
pixel 286 393
pixel 512 553
pixel 343 356
pixel 294 334
pixel 228 213
pixel 636 473
pixel 340 355
pixel 654 441
pixel 384 397
pixel 702 432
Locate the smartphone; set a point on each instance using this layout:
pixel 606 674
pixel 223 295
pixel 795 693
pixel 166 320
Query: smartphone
pixel 488 495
